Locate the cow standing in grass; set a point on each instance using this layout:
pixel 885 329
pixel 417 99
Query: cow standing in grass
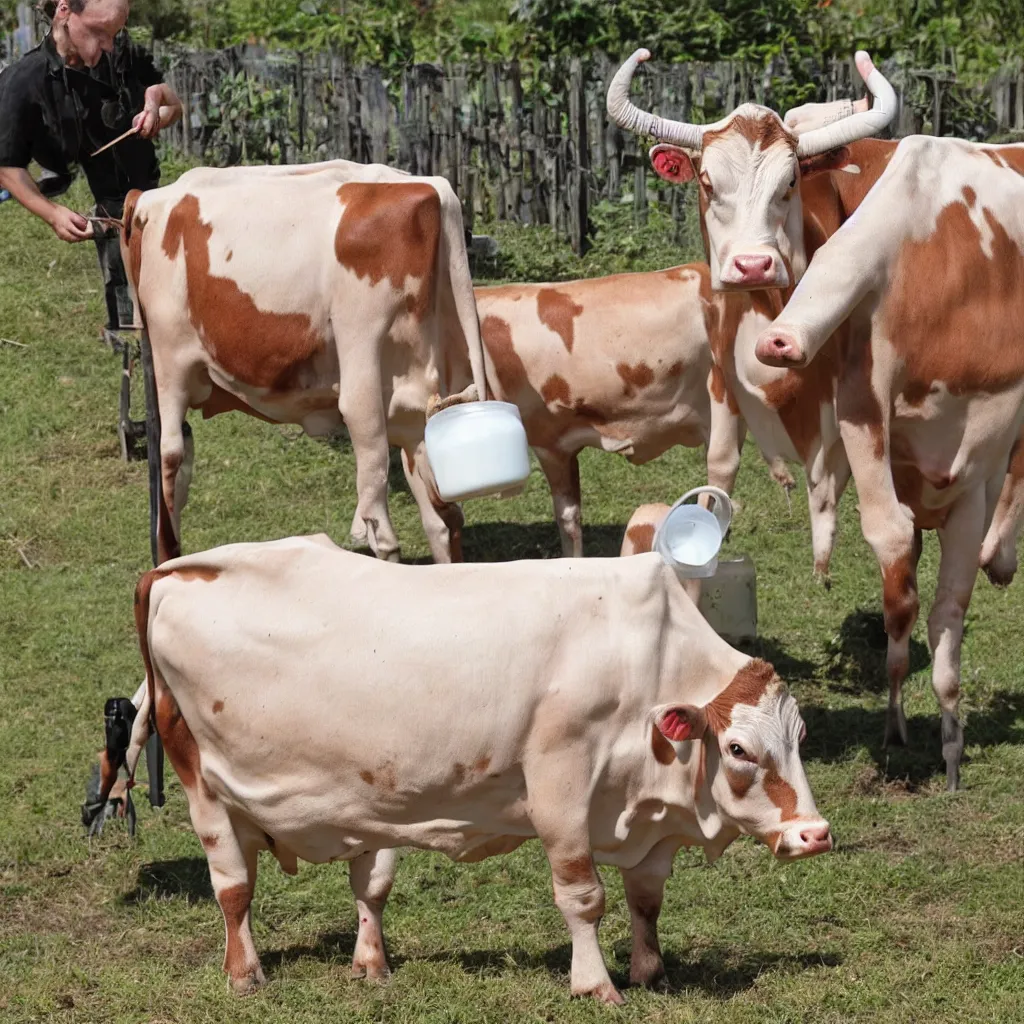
pixel 312 294
pixel 624 364
pixel 463 709
pixel 922 376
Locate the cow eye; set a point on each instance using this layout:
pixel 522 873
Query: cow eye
pixel 792 183
pixel 737 751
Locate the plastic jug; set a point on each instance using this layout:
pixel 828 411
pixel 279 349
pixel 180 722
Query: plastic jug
pixel 690 537
pixel 729 601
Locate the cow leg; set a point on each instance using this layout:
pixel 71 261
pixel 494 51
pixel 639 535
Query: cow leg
pixel 900 605
pixel 999 550
pixel 579 894
pixel 362 407
pixel 960 539
pixel 645 890
pixel 725 446
pixel 825 486
pixel 563 475
pixel 176 459
pixel 371 876
pixel 442 520
pixel 232 859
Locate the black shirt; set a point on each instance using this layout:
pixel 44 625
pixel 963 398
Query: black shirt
pixel 58 115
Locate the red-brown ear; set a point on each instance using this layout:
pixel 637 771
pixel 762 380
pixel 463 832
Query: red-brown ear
pixel 681 722
pixel 672 163
pixel 833 160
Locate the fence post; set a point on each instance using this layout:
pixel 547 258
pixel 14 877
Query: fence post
pixel 579 161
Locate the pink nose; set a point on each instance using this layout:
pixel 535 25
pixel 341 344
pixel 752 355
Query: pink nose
pixel 817 839
pixel 754 269
pixel 777 347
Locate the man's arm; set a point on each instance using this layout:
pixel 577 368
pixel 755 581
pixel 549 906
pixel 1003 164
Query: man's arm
pixel 162 108
pixel 67 225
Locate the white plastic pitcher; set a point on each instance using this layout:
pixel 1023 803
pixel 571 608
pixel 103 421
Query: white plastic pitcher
pixel 690 537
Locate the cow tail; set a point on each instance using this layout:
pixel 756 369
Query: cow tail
pixel 462 288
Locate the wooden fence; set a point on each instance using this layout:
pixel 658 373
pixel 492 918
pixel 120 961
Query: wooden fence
pixel 533 147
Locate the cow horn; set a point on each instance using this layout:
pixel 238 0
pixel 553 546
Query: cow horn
pixel 856 126
pixel 633 119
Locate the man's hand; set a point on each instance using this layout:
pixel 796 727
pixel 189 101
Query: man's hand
pixel 161 108
pixel 68 225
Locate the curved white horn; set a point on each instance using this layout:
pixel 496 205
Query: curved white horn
pixel 856 126
pixel 633 119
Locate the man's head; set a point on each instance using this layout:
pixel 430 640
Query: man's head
pixel 86 29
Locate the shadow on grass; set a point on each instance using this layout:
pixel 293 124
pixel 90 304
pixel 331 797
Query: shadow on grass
pixel 857 658
pixel 831 732
pixel 506 542
pixel 328 947
pixel 186 877
pixel 716 972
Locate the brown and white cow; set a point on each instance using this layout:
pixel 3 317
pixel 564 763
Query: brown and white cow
pixel 596 711
pixel 312 294
pixel 621 363
pixel 790 415
pixel 944 459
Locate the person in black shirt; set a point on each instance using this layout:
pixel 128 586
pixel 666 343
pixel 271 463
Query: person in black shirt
pixel 83 86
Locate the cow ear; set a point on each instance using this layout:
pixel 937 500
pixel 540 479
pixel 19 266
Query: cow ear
pixel 681 722
pixel 672 163
pixel 833 160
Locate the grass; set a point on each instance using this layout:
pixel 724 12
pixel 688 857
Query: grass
pixel 916 916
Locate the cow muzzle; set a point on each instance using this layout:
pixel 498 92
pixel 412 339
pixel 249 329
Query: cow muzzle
pixel 780 346
pixel 754 270
pixel 804 839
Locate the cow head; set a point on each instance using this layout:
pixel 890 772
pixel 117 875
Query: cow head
pixel 749 774
pixel 748 166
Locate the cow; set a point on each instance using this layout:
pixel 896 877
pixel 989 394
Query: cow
pixel 769 399
pixel 940 441
pixel 312 294
pixel 642 526
pixel 621 363
pixel 597 712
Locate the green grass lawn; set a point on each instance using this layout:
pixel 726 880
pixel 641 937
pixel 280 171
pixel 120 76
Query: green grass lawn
pixel 916 916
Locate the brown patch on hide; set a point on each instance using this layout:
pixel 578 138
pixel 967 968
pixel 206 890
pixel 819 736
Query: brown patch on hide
pixel 557 311
pixel 234 904
pixel 576 871
pixel 899 597
pixel 664 752
pixel 261 348
pixel 459 771
pixel 481 766
pixel 209 842
pixel 231 252
pixel 556 389
pixel 391 230
pixel 748 686
pixel 780 792
pixel 676 369
pixel 131 237
pixel 198 572
pixel 497 339
pixel 641 536
pixel 970 196
pixel 720 391
pixel 367 777
pixel 962 328
pixel 764 130
pixel 634 378
pixel 739 782
pixel 218 706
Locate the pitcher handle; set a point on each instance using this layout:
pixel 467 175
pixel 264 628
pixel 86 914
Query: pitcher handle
pixel 721 508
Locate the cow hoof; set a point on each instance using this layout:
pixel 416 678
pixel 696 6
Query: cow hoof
pixel 607 993
pixel 393 556
pixel 371 970
pixel 649 976
pixel 823 577
pixel 952 749
pixel 895 728
pixel 247 984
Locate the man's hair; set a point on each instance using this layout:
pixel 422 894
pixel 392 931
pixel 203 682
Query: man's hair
pixel 49 7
